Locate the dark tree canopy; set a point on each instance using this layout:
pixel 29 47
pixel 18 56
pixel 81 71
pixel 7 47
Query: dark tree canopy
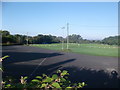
pixel 22 39
pixel 75 38
pixel 112 40
pixel 48 39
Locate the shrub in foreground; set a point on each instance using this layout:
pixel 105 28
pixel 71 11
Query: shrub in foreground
pixel 57 80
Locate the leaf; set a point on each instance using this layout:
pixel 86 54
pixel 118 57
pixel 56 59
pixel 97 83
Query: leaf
pixel 54 76
pixel 8 85
pixel 56 85
pixel 48 79
pixel 83 83
pixel 25 77
pixel 43 85
pixel 64 73
pixel 5 57
pixel 62 79
pixel 1 69
pixel 39 77
pixel 69 87
pixel 61 83
pixel 44 75
pixel 35 80
pixel 59 71
pixel 80 85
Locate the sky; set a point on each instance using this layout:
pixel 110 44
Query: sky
pixel 91 20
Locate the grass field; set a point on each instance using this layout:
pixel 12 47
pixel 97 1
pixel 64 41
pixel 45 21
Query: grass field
pixel 91 49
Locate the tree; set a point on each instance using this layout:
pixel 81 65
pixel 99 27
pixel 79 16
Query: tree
pixel 112 40
pixel 4 33
pixel 75 38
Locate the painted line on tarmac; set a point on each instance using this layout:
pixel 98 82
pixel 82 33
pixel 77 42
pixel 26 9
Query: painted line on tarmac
pixel 38 66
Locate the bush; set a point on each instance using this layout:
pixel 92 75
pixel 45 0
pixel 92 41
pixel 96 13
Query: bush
pixel 57 80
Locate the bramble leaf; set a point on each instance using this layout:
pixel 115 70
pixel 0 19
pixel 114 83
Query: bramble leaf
pixel 35 80
pixel 39 77
pixel 48 79
pixel 58 71
pixel 62 79
pixel 8 85
pixel 44 75
pixel 69 87
pixel 25 77
pixel 64 73
pixel 54 76
pixel 5 57
pixel 56 85
pixel 1 69
pixel 43 85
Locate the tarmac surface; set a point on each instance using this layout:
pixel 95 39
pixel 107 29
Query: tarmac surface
pixel 96 71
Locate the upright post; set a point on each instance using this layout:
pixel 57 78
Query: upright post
pixel 67 35
pixel 62 41
pixel 27 38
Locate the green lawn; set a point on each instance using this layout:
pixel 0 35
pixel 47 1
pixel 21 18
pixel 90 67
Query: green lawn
pixel 91 49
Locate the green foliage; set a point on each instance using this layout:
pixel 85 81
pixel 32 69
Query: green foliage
pixel 1 69
pixel 75 38
pixel 112 40
pixel 54 76
pixel 8 39
pixel 47 80
pixel 1 59
pixel 5 57
pixel 38 77
pixel 57 80
pixel 56 85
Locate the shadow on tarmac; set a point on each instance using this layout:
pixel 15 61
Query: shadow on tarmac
pixel 25 70
pixel 93 78
pixel 24 57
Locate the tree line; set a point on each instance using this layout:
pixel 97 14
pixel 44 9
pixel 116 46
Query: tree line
pixel 7 38
pixel 22 39
pixel 112 40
